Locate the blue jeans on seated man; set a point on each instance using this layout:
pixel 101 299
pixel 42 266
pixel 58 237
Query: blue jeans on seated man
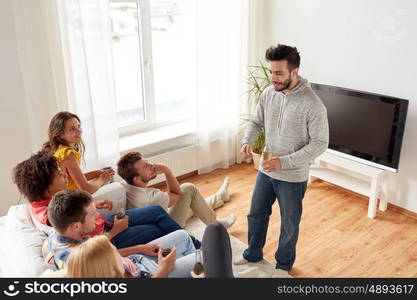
pixel 146 224
pixel 290 196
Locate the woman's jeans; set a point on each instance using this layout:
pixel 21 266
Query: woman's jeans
pixel 217 252
pixel 290 196
pixel 145 224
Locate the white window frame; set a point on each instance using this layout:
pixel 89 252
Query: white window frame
pixel 145 47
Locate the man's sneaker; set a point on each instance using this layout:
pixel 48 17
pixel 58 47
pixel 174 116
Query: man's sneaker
pixel 228 221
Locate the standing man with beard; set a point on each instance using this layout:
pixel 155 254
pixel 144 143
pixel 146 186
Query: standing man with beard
pixel 296 132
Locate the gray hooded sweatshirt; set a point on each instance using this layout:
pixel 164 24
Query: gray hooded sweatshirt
pixel 296 129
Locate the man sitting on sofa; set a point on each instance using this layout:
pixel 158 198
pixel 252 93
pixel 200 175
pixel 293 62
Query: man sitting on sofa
pixel 39 178
pixel 179 201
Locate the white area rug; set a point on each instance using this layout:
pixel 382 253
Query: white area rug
pixel 196 228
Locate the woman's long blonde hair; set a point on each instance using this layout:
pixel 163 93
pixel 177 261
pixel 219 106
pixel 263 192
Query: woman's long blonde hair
pixel 56 129
pixel 94 258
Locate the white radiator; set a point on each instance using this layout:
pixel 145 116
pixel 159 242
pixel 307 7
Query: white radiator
pixel 180 161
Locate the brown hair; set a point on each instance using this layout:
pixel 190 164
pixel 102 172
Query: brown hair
pixel 284 52
pixel 56 129
pixel 96 257
pixel 34 175
pixel 125 167
pixel 67 207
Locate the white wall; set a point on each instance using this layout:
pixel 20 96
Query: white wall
pixel 365 45
pixel 28 97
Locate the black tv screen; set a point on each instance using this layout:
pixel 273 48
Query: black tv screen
pixel 364 125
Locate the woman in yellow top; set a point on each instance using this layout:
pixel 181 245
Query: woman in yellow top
pixel 66 144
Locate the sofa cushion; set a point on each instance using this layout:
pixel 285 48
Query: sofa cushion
pixel 23 244
pixel 114 192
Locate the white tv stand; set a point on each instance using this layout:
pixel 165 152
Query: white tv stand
pixel 354 176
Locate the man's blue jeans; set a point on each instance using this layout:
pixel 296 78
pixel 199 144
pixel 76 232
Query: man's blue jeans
pixel 146 224
pixel 290 196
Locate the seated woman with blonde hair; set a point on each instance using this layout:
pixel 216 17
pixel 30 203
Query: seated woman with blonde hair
pixel 96 257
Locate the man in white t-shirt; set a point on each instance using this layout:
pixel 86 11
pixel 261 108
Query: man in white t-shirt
pixel 181 202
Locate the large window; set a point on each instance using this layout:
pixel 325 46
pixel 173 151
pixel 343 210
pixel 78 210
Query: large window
pixel 154 49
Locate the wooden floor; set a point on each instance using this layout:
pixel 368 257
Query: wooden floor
pixel 336 237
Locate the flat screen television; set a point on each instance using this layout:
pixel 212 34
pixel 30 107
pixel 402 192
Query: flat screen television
pixel 363 126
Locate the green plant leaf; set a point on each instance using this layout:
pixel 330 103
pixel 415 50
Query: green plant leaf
pixel 257 81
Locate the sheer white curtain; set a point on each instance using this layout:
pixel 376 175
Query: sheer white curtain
pixel 42 90
pixel 85 26
pixel 220 36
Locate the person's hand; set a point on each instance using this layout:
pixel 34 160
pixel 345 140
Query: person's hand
pixel 271 165
pixel 120 225
pixel 160 168
pixel 246 152
pixel 166 264
pixel 106 175
pixel 103 204
pixel 109 169
pixel 194 275
pixel 150 249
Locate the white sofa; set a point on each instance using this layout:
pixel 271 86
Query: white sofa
pixel 22 240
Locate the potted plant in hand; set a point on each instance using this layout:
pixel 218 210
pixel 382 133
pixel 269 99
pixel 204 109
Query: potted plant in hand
pixel 258 80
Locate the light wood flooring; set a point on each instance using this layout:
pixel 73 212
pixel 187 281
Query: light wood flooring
pixel 337 239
